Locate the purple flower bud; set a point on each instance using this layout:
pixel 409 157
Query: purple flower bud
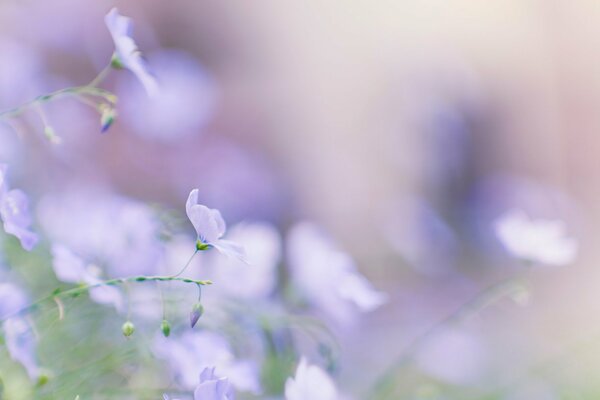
pixel 197 311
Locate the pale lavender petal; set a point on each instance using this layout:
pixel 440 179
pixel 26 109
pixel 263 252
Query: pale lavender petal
pixel 208 223
pixel 212 387
pixel 21 344
pixel 14 211
pixel 230 249
pixel 68 267
pixel 12 299
pixel 121 29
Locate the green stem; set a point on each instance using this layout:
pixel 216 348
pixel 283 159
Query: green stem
pixel 74 292
pixel 98 79
pixel 384 387
pixel 187 264
pixel 76 91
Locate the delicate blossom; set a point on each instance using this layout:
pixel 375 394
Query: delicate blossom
pixel 127 54
pixel 188 355
pixel 328 277
pixel 14 212
pixel 18 334
pixel 212 387
pixel 310 382
pixel 539 241
pixel 71 268
pixel 210 227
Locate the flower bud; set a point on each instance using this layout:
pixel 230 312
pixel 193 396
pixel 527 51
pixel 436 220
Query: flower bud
pixel 197 311
pixel 128 328
pixel 165 327
pixel 107 116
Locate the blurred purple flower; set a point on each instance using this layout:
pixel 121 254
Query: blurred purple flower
pixel 421 236
pixel 71 268
pixel 20 341
pixel 127 52
pixel 257 278
pixel 194 351
pixel 21 344
pixel 327 276
pixel 538 241
pixel 212 387
pixel 310 382
pixel 105 229
pixel 14 212
pixel 186 103
pixel 210 227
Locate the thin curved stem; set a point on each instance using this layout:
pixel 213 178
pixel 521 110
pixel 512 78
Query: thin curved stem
pixel 385 385
pixel 187 264
pixel 71 91
pixel 74 292
pixel 101 76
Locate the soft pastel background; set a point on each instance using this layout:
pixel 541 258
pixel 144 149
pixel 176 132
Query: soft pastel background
pixel 403 128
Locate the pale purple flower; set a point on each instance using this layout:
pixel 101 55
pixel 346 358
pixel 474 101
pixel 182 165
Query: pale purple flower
pixel 210 227
pixel 71 268
pixel 21 344
pixel 20 340
pixel 328 277
pixel 102 228
pixel 127 52
pixel 188 355
pixel 14 212
pixel 212 387
pixel 186 103
pixel 310 382
pixel 536 240
pixel 257 278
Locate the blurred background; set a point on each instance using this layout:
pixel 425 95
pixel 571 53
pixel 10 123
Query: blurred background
pixel 402 128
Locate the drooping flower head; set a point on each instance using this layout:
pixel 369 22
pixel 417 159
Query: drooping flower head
pixel 540 241
pixel 127 54
pixel 210 227
pixel 14 212
pixel 310 382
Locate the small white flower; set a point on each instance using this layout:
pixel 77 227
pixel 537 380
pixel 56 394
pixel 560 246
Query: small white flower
pixel 540 241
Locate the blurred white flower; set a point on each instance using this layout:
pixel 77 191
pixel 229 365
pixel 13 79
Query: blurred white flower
pixel 310 382
pixel 540 241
